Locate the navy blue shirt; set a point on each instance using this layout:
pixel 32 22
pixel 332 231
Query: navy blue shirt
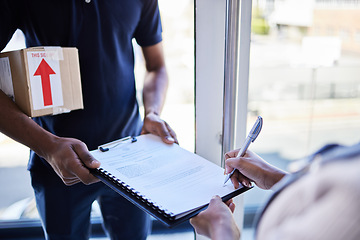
pixel 102 30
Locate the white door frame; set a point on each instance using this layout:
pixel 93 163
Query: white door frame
pixel 210 56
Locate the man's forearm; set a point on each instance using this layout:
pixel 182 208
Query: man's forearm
pixel 18 126
pixel 69 158
pixel 154 92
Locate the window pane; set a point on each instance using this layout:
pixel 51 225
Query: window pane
pixel 304 79
pixel 178 41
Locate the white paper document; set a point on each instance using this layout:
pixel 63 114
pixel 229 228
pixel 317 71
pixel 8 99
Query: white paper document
pixel 167 175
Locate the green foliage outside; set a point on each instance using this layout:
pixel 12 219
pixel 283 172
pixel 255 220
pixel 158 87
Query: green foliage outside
pixel 259 24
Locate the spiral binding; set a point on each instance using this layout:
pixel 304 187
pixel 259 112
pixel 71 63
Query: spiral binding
pixel 125 187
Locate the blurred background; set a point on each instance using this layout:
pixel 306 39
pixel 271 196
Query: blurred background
pixel 304 81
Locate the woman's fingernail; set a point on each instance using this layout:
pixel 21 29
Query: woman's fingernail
pixel 170 139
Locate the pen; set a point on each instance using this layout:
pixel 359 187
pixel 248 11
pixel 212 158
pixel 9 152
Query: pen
pixel 250 138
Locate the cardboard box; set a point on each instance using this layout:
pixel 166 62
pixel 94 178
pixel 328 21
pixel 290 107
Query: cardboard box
pixel 42 80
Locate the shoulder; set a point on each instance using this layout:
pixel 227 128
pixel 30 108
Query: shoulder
pixel 321 205
pixel 340 178
pixel 344 173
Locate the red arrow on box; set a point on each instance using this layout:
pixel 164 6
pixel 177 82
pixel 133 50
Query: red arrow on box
pixel 44 71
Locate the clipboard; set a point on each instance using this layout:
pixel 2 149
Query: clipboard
pixel 139 187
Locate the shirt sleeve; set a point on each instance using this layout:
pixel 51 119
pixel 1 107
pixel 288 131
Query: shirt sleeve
pixel 8 22
pixel 149 29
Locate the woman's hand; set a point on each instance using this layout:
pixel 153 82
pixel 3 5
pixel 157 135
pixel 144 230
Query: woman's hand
pixel 217 221
pixel 252 168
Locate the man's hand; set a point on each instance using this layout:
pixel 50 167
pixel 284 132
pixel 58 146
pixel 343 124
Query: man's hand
pixel 153 124
pixel 217 221
pixel 154 92
pixel 68 157
pixel 71 159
